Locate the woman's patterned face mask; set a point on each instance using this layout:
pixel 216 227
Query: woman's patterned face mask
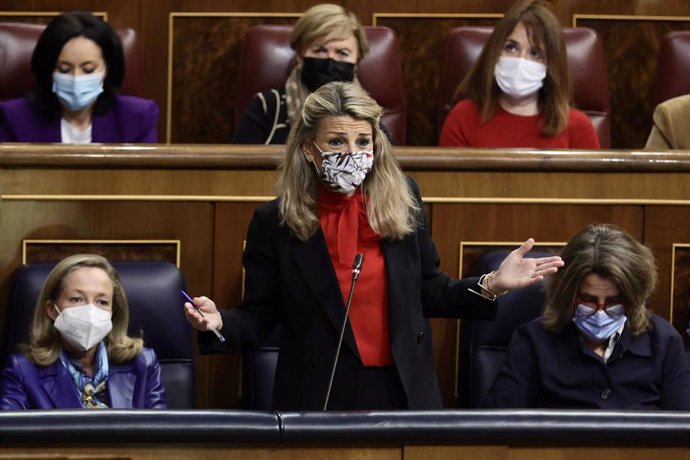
pixel 344 171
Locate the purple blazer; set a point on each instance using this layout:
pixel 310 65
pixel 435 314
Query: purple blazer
pixel 134 385
pixel 131 120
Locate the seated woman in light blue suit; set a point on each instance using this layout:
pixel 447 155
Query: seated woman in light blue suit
pixel 79 354
pixel 79 67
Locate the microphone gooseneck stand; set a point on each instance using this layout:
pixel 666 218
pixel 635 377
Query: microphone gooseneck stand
pixel 356 268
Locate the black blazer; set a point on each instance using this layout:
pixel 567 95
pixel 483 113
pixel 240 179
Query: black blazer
pixel 292 282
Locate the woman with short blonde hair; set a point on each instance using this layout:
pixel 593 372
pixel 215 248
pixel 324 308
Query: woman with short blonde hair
pixel 327 22
pixel 329 42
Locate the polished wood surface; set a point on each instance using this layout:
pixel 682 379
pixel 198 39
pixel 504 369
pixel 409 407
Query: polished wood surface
pixel 534 453
pixel 410 452
pixel 268 157
pixel 204 195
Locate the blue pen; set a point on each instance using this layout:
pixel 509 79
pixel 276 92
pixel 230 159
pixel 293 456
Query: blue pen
pixel 198 310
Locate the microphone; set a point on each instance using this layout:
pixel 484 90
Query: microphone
pixel 356 269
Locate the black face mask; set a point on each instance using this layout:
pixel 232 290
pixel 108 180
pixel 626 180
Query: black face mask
pixel 316 72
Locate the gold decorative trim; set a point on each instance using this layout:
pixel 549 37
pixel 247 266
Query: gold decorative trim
pixel 29 14
pixel 243 14
pixel 195 198
pixel 171 18
pixel 168 108
pixel 177 243
pixel 240 390
pixel 376 16
pixel 426 200
pixel 627 17
pixel 597 201
pixel 244 274
pixel 462 244
pixel 674 246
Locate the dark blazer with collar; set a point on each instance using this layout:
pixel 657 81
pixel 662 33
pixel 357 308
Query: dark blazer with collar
pixel 265 121
pixel 133 385
pixel 131 120
pixel 548 370
pixel 293 283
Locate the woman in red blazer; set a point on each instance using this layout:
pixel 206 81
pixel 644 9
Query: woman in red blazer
pixel 341 193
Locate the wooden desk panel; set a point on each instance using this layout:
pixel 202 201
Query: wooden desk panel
pixel 204 196
pixel 408 452
pixel 543 453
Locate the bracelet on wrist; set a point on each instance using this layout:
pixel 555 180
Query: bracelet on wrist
pixel 486 292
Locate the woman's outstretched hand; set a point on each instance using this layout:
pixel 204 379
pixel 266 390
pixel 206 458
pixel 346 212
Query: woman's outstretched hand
pixel 516 271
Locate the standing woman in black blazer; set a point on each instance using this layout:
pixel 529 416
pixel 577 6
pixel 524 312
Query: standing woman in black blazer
pixel 341 192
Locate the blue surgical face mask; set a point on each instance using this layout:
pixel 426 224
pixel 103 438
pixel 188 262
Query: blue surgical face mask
pixel 598 326
pixel 78 92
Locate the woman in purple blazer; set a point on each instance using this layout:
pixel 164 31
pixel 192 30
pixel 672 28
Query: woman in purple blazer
pixel 79 354
pixel 79 67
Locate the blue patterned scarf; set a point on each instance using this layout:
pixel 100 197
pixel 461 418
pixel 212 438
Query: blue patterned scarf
pixel 91 389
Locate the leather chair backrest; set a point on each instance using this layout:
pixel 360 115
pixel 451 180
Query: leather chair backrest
pixel 483 344
pixel 259 370
pixel 267 59
pixel 155 313
pixel 586 62
pixel 17 42
pixel 673 67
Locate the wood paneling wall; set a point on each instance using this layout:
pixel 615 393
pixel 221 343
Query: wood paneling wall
pixel 191 52
pixel 204 196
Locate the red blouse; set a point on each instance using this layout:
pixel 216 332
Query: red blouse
pixel 464 128
pixel 347 232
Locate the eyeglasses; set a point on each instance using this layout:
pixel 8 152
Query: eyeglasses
pixel 613 309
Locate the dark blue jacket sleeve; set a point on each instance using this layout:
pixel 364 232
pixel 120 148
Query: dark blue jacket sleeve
pixel 675 381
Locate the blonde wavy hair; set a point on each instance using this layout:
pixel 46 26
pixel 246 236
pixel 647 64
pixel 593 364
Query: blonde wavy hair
pixel 333 22
pixel 610 252
pixel 43 348
pixel 392 209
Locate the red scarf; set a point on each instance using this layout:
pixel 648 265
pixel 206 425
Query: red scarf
pixel 347 232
